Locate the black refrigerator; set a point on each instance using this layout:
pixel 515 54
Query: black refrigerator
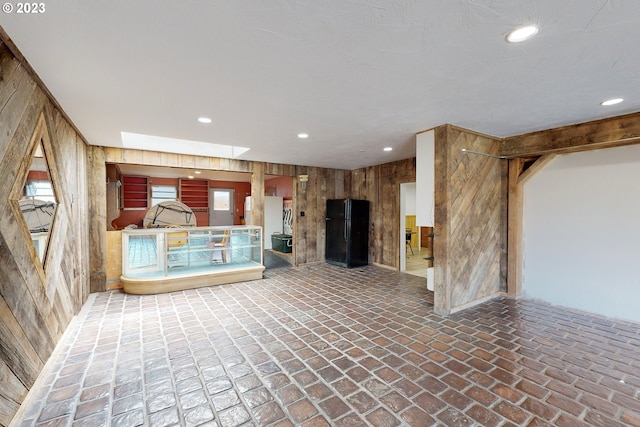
pixel 347 242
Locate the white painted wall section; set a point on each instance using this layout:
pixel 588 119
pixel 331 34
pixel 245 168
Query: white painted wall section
pixel 582 232
pixel 425 178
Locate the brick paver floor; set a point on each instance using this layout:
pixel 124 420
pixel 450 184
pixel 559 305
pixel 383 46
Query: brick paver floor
pixel 326 346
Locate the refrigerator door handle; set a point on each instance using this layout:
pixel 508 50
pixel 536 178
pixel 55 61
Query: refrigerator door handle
pixel 345 231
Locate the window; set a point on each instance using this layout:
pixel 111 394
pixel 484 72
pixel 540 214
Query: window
pixel 163 193
pixel 221 201
pixel 41 190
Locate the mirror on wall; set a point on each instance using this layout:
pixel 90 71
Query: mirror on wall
pixel 38 201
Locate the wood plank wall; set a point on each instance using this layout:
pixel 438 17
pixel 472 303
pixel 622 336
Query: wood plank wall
pixel 37 304
pixel 310 207
pixel 470 219
pixel 380 184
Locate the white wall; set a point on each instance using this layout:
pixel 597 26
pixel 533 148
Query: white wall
pixel 582 232
pixel 425 178
pixel 410 198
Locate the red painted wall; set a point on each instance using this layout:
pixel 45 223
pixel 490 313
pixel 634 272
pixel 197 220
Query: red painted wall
pixel 242 189
pixel 283 184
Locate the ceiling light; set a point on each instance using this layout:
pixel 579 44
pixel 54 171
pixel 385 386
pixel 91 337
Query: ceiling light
pixel 303 135
pixel 388 148
pixel 205 120
pixel 523 33
pixel 612 101
pixel 197 172
pixel 190 176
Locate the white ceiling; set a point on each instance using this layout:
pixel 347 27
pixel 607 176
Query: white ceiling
pixel 356 75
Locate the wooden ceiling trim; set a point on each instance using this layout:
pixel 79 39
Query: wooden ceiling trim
pixel 605 133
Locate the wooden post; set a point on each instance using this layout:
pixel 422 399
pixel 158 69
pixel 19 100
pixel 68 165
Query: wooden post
pixel 514 230
pixel 518 176
pixel 442 197
pixel 97 187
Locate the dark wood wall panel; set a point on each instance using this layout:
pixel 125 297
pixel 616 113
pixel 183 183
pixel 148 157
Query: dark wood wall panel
pixel 380 184
pixel 470 219
pixel 36 304
pixel 309 229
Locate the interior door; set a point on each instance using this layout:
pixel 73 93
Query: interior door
pixel 221 206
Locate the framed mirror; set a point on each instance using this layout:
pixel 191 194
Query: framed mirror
pixel 38 201
pixel 34 198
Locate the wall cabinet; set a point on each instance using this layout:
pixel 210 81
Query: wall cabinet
pixel 135 192
pixel 195 193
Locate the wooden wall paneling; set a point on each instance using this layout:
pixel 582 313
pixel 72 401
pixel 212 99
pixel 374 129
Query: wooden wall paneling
pixel 14 393
pixel 15 93
pixel 300 221
pixel 469 243
pixel 504 228
pixel 390 200
pixel 97 206
pixel 442 197
pixel 257 197
pixel 314 234
pixel 36 304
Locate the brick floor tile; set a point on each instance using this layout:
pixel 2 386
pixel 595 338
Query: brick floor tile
pixel 268 413
pixel 538 408
pixel 484 416
pixel 334 407
pixel 511 412
pixel 362 401
pixel 565 404
pixel 532 389
pixel 362 344
pixel 381 417
pixel 507 392
pixel 453 418
pixel 350 420
pixel 455 399
pixel 301 410
pixel 318 391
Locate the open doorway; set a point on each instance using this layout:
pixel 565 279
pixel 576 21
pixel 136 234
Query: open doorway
pixel 413 251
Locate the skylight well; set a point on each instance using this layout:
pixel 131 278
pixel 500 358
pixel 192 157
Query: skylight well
pixel 138 141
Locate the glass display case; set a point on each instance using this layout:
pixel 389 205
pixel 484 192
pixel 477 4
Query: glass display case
pixel 168 259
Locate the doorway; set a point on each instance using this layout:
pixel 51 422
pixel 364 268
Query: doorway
pixel 412 254
pixel 221 206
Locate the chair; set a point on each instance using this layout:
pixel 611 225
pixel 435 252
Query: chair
pixel 407 236
pixel 219 252
pixel 177 239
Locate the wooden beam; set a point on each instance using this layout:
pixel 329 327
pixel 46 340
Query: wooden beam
pixel 518 176
pixel 605 133
pixel 514 230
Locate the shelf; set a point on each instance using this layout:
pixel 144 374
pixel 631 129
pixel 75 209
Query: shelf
pixel 135 192
pixel 195 193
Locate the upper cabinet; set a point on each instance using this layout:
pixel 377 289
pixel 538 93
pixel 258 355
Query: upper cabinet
pixel 195 193
pixel 135 192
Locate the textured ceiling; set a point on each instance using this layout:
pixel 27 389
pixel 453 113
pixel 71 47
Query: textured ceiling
pixel 357 76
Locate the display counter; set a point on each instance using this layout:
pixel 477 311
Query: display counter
pixel 169 259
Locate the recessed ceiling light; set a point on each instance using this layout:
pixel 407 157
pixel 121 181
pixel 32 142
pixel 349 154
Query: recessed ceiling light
pixel 523 33
pixel 190 176
pixel 612 101
pixel 388 148
pixel 205 120
pixel 197 172
pixel 303 135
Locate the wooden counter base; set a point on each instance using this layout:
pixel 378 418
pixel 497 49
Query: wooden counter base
pixel 157 285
